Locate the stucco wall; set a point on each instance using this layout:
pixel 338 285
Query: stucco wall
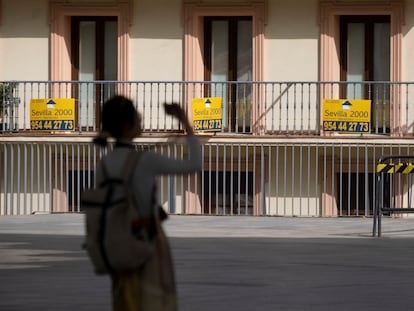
pixel 24 40
pixel 408 42
pixel 292 41
pixel 291 46
pixel 156 40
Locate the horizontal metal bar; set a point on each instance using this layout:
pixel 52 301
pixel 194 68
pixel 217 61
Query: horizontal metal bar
pixel 401 210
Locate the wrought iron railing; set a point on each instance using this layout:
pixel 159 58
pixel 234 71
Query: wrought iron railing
pixel 259 108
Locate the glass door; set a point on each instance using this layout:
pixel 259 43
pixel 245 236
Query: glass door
pixel 365 57
pixel 94 58
pixel 228 62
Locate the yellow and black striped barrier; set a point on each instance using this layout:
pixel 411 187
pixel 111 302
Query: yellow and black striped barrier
pixel 399 164
pixel 391 168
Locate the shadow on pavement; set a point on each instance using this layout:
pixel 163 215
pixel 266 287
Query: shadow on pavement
pixel 48 272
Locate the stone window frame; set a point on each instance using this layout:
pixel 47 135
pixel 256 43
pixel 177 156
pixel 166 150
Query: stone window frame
pixel 330 12
pixel 329 19
pixel 60 14
pixel 193 16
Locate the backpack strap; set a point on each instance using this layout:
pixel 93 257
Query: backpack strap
pixel 102 225
pixel 141 225
pixel 104 172
pixel 127 173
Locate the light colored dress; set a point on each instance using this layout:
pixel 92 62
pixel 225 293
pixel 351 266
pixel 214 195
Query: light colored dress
pixel 152 287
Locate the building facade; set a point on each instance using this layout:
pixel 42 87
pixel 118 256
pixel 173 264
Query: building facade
pixel 273 63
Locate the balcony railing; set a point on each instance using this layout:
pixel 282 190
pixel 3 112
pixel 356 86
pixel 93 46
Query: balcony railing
pixel 289 177
pixel 257 108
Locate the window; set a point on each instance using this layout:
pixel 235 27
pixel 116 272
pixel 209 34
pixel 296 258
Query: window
pixel 77 181
pixel 61 14
pixel 331 61
pixel 228 57
pixel 365 56
pixel 94 52
pixel 203 21
pixel 94 58
pixel 228 193
pixel 355 194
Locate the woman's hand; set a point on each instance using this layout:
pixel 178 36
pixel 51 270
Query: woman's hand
pixel 175 110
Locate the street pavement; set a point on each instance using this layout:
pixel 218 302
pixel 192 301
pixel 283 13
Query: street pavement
pixel 221 263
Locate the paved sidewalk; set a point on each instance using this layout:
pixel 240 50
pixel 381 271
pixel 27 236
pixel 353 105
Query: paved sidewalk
pixel 224 226
pixel 222 263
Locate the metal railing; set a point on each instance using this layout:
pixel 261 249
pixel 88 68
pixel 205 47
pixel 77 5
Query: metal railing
pixel 261 108
pixel 393 183
pixel 284 177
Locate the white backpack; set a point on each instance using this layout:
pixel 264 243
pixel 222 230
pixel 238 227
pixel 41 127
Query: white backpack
pixel 117 238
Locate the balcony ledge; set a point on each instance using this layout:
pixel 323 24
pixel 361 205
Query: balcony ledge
pixel 218 138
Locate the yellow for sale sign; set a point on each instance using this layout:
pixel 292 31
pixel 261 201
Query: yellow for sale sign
pixel 207 114
pixel 346 115
pixel 52 114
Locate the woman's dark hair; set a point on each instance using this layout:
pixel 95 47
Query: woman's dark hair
pixel 117 112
